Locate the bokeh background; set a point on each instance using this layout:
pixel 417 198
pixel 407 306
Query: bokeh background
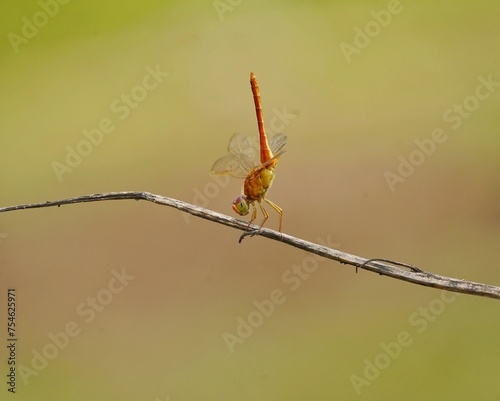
pixel 351 117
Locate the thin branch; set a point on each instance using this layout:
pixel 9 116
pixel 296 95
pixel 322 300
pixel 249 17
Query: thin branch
pixel 383 267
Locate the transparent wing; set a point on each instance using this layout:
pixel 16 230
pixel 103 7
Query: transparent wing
pixel 232 165
pixel 240 144
pixel 277 144
pixel 240 160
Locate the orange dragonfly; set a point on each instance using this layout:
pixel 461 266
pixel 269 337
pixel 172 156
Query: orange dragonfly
pixel 242 162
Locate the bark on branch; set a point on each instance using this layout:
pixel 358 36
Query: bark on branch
pixel 385 267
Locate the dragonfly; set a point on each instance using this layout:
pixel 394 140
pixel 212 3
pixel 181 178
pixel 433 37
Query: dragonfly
pixel 242 162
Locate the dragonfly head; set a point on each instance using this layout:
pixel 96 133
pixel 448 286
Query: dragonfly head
pixel 240 205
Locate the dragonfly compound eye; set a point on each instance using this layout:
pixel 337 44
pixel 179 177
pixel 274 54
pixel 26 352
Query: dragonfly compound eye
pixel 240 205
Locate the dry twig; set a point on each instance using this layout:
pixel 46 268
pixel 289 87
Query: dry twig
pixel 383 267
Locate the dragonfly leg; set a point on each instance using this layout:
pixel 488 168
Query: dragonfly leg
pixel 266 215
pixel 278 209
pixel 254 216
pixel 252 232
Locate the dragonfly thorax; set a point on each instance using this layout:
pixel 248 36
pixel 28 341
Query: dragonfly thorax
pixel 258 182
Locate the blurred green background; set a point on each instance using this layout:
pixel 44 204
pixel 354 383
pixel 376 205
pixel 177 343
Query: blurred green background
pixel 351 116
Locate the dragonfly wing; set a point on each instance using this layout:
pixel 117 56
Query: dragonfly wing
pixel 240 160
pixel 277 144
pixel 232 165
pixel 240 144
